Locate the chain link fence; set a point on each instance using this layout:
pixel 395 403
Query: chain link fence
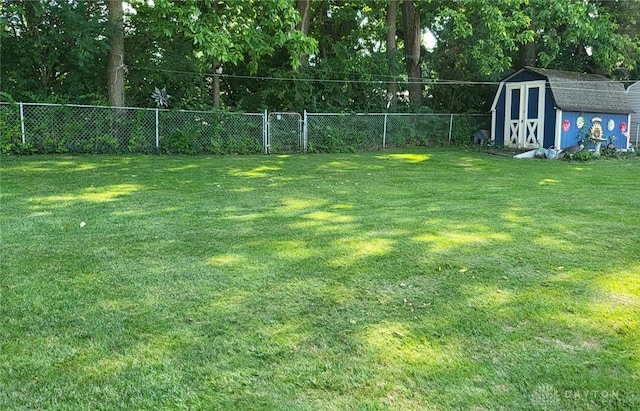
pixel 200 132
pixel 10 129
pixel 285 133
pixel 326 132
pixel 634 133
pixel 52 128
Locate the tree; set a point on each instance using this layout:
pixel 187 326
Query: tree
pixel 488 32
pixel 346 73
pixel 412 44
pixel 234 31
pixel 116 67
pixel 157 61
pixel 626 14
pixel 391 20
pixel 476 40
pixel 331 55
pixel 303 7
pixel 54 50
pixel 580 35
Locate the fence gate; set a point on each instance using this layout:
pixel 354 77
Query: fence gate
pixel 285 133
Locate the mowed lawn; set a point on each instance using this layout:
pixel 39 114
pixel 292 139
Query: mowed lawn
pixel 404 279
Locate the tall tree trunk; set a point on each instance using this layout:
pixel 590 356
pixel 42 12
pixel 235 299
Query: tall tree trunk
pixel 412 52
pixel 216 84
pixel 303 7
pixel 392 15
pixel 529 54
pixel 115 67
pixel 326 26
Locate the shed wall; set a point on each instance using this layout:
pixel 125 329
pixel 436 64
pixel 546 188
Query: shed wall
pixel 571 133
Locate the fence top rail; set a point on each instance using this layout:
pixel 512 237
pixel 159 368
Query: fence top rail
pixel 400 114
pixel 131 108
pixel 163 110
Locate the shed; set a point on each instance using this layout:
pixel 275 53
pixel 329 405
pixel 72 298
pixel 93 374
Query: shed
pixel 633 95
pixel 536 107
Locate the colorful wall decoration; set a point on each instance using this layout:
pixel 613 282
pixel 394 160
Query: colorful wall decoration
pixel 611 127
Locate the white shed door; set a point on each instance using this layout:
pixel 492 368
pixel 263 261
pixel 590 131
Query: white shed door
pixel 524 114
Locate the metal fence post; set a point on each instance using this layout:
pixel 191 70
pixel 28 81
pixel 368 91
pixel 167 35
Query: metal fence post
pixel 305 135
pixel 450 128
pixel 24 137
pixel 265 132
pixel 384 131
pixel 157 132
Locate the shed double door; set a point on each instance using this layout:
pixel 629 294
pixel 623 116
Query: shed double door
pixel 524 112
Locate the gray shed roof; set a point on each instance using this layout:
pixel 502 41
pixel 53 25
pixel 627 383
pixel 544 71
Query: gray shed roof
pixel 585 92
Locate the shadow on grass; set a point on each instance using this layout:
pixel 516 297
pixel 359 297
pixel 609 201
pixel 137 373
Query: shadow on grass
pixel 403 280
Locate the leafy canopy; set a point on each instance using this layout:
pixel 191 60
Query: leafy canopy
pixel 232 31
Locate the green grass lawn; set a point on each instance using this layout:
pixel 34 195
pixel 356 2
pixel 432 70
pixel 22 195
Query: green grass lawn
pixel 408 279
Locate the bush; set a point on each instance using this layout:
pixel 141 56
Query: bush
pixel 178 142
pixel 10 130
pixel 581 156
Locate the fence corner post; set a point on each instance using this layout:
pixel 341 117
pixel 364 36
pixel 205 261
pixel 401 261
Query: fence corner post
pixel 450 128
pixel 22 128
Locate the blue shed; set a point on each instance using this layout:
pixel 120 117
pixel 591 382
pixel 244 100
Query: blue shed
pixel 536 107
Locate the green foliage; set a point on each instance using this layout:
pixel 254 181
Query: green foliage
pixel 581 156
pixel 178 45
pixel 179 142
pixel 465 125
pixel 6 97
pixel 140 128
pixel 566 29
pixel 401 135
pixel 487 30
pixel 160 61
pixel 334 140
pixel 229 32
pixel 605 154
pixel 10 130
pixel 68 129
pixel 345 133
pixel 611 153
pixel 55 48
pixel 209 133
